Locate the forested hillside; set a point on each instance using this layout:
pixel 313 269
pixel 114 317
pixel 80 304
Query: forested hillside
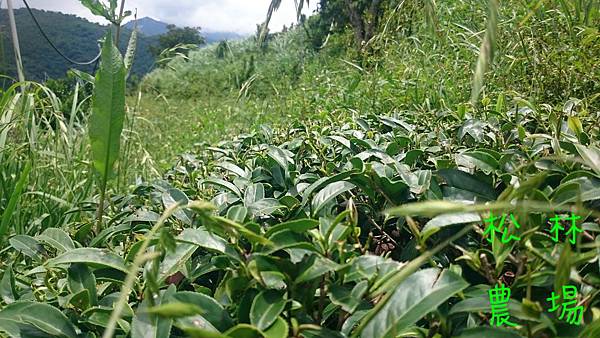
pixel 383 169
pixel 77 38
pixel 151 27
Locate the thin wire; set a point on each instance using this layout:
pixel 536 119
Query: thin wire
pixel 54 46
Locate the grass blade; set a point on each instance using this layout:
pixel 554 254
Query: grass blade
pixel 486 52
pixel 14 198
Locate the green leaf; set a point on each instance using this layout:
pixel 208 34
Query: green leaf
pixel 209 241
pixel 574 124
pixel 100 317
pixel 174 196
pixel 8 291
pixel 477 159
pixel 230 225
pixel 254 193
pixel 279 329
pixel 281 156
pixel 265 207
pixel 13 200
pixel 329 193
pixel 319 332
pixel 322 182
pixel 266 307
pixel 287 239
pixel 298 226
pixel 473 127
pixel 58 239
pixel 342 140
pixel 97 8
pixel 214 313
pixel 232 168
pixel 567 192
pixel 174 261
pixel 469 183
pixel 245 331
pixel 591 330
pixel 79 300
pixel 591 157
pixel 441 221
pixel 347 298
pixel 18 329
pixel 108 111
pixel 105 235
pixel 28 246
pixel 371 267
pixel 415 297
pixel 237 213
pixel 434 208
pixel 44 317
pixel 223 184
pixel 92 257
pixel 147 325
pixel 317 267
pixel 488 332
pixel 175 310
pixel 80 278
pixel 195 332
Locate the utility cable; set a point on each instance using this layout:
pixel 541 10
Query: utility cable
pixel 53 45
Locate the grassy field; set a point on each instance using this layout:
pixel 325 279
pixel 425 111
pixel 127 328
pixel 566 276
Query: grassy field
pixel 288 189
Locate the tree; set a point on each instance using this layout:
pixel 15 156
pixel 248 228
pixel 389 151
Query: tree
pixel 361 15
pixel 178 36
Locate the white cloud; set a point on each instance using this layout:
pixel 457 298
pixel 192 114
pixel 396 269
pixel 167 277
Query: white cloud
pixel 212 15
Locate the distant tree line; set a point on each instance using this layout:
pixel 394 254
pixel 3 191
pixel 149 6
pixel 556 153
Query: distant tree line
pixel 78 39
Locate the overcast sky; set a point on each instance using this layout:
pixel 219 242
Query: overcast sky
pixel 239 16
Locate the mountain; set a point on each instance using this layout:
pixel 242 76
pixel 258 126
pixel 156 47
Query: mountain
pixel 148 26
pixel 77 38
pixel 212 37
pixel 151 27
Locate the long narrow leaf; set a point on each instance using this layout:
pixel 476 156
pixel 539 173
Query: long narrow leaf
pixel 14 198
pixel 108 112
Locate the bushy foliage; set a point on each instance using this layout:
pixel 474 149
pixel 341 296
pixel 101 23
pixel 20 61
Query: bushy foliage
pixel 243 68
pixel 177 36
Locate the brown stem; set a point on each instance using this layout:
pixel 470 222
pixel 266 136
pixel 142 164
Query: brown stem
pixel 121 11
pixel 383 232
pixel 321 300
pixel 487 269
pixel 357 23
pixel 100 211
pixel 373 18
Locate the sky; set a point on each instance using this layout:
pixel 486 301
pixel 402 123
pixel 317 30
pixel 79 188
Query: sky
pixel 240 16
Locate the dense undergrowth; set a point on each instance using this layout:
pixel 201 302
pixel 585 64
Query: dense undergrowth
pixel 292 209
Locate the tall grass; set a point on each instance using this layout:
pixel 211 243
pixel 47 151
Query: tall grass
pixel 409 68
pixel 37 129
